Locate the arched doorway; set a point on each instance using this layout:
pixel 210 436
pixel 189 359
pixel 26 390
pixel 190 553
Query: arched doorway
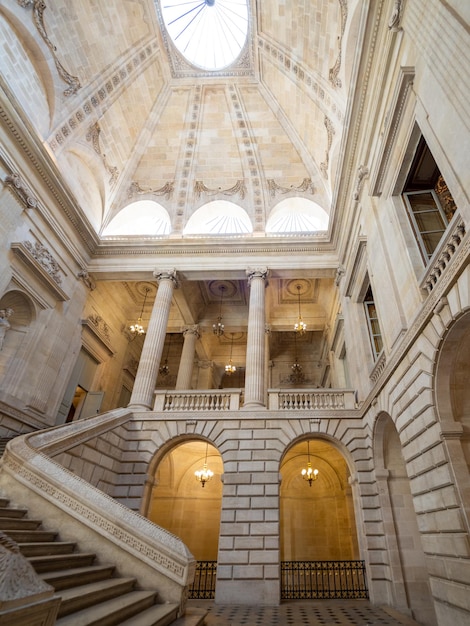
pixel 409 589
pixel 318 536
pixel 180 504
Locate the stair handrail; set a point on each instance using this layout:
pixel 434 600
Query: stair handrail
pixel 27 461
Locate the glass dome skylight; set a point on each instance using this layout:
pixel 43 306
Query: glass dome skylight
pixel 209 33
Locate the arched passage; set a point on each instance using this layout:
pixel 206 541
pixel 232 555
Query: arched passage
pixel 317 521
pixel 404 562
pixel 181 505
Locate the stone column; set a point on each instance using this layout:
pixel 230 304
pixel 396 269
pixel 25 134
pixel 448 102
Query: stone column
pixel 205 379
pixel 145 379
pixel 185 371
pixel 255 350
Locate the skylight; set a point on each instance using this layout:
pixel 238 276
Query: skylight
pixel 209 33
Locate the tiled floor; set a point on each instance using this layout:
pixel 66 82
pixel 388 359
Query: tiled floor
pixel 303 613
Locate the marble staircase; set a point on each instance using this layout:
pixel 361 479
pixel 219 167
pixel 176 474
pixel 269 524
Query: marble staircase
pixel 91 593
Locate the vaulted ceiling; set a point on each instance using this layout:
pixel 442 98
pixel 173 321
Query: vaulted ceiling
pixel 125 117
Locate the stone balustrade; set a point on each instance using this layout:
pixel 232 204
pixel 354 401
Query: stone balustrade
pixel 449 246
pixel 311 400
pixel 207 400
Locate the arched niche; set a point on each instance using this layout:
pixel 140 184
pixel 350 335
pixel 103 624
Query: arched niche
pixel 144 217
pixel 317 521
pixel 15 326
pixel 297 215
pixel 218 218
pixel 178 502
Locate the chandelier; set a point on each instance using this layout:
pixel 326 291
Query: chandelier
pixel 137 328
pixel 230 367
pixel 309 474
pixel 205 474
pixel 297 375
pixel 218 327
pixel 164 370
pixel 300 326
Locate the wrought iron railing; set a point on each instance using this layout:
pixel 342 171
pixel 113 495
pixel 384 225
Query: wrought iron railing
pixel 322 580
pixel 203 587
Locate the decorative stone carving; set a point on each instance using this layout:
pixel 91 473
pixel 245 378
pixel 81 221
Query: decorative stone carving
pixel 38 10
pixel 340 272
pixel 334 71
pixel 86 278
pixel 16 184
pixel 4 324
pixel 136 190
pixel 394 21
pixel 45 259
pixel 361 174
pixel 306 186
pixel 93 135
pixel 239 188
pixel 330 131
pixel 18 578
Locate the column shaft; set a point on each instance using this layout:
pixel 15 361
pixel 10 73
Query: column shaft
pixel 144 385
pixel 255 351
pixel 185 371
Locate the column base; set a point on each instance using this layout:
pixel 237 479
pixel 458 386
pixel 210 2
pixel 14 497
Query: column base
pixel 253 406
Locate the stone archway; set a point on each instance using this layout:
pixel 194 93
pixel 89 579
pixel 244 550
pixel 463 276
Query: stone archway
pixel 179 503
pixel 403 560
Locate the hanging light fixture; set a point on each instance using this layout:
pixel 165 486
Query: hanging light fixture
pixel 309 474
pixel 230 367
pixel 300 326
pixel 164 370
pixel 137 328
pixel 205 474
pixel 218 327
pixel 297 375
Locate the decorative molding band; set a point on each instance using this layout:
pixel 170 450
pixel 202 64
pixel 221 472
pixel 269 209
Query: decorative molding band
pixel 378 367
pixel 319 90
pixel 38 16
pixel 118 77
pixel 44 266
pixel 100 329
pixel 239 188
pixel 17 185
pixel 306 186
pixel 333 74
pixel 136 190
pixel 400 98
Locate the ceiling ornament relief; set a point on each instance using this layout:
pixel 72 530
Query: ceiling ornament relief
pixel 239 188
pixel 306 186
pixel 136 190
pixel 17 185
pixel 38 15
pixel 330 134
pixel 335 70
pixel 93 135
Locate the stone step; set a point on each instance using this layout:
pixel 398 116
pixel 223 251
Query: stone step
pixel 7 523
pixel 112 612
pixel 157 615
pixel 194 616
pixel 12 512
pixel 82 597
pixel 4 502
pixel 52 563
pixel 46 548
pixel 65 579
pixel 31 536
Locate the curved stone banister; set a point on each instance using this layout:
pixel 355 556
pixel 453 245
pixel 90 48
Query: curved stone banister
pixel 32 478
